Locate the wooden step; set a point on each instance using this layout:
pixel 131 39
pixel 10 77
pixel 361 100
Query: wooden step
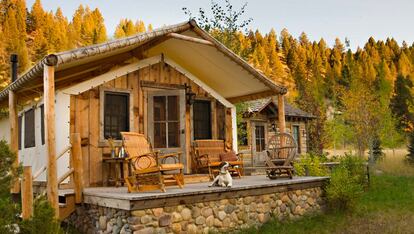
pixel 66 205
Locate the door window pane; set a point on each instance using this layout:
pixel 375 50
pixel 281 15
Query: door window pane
pixel 160 140
pixel 173 134
pixel 159 108
pixel 173 108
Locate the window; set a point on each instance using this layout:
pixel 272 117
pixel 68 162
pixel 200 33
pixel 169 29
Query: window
pixel 166 122
pixel 116 114
pixel 29 129
pixel 260 138
pixel 42 123
pixel 20 132
pixel 202 119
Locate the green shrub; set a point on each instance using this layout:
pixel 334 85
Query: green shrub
pixel 347 183
pixel 356 167
pixel 8 173
pixel 43 220
pixel 310 165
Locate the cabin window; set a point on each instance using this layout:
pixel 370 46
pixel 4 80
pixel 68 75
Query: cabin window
pixel 260 138
pixel 42 123
pixel 116 114
pixel 166 122
pixel 296 136
pixel 29 129
pixel 20 132
pixel 242 134
pixel 202 119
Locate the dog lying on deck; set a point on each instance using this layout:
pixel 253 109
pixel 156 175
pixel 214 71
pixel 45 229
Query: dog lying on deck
pixel 223 179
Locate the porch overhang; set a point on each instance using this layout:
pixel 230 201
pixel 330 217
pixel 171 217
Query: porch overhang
pixel 185 43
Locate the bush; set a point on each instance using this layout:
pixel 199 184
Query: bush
pixel 347 183
pixel 43 220
pixel 9 210
pixel 43 215
pixel 310 165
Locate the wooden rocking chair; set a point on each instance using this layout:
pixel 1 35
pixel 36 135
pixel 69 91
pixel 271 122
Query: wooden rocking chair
pixel 281 151
pixel 150 171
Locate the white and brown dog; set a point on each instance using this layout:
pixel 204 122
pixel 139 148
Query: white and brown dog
pixel 223 179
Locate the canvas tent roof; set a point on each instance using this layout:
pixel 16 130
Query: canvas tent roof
pixel 215 64
pixel 291 111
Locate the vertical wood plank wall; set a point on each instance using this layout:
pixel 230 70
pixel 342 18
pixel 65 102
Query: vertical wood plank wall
pixel 85 114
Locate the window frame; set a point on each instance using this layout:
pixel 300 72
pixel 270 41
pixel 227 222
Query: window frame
pixel 102 93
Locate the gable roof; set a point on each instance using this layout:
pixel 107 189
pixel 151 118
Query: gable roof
pixel 257 106
pixel 81 56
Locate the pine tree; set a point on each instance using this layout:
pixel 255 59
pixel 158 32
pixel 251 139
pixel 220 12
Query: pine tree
pixel 410 147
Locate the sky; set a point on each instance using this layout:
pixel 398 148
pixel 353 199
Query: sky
pixel 356 20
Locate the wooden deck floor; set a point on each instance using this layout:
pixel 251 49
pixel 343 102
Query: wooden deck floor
pixel 197 192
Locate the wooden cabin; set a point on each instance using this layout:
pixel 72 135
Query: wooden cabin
pixel 260 122
pixel 174 84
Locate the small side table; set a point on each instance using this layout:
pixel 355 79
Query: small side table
pixel 121 169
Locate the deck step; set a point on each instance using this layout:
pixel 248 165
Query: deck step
pixel 66 205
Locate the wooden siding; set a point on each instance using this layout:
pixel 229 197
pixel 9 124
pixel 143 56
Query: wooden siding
pixel 86 108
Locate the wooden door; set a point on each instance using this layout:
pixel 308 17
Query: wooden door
pixel 259 141
pixel 296 136
pixel 166 114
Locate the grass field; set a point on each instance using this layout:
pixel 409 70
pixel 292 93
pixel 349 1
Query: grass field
pixel 386 207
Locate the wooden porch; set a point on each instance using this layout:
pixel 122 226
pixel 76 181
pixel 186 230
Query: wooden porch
pixel 118 197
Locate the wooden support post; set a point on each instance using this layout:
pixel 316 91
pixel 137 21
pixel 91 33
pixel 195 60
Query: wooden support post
pixel 229 130
pixel 14 135
pixel 77 166
pixel 281 113
pixel 49 108
pixel 27 193
pixel 214 119
pixel 188 139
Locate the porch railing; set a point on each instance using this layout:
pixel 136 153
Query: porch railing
pixel 76 171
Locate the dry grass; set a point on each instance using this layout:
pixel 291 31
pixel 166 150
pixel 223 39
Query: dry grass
pixel 394 164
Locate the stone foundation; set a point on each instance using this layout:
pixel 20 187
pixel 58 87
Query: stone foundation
pixel 203 217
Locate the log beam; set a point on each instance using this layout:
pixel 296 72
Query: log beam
pixel 252 96
pixel 27 193
pixel 49 104
pixel 77 166
pixel 14 135
pixel 190 39
pixel 281 113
